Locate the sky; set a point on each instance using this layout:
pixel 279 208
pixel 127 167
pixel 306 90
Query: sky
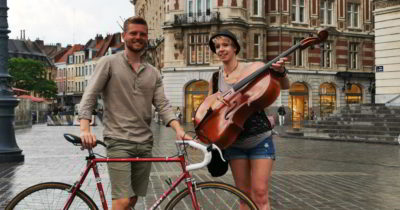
pixel 66 21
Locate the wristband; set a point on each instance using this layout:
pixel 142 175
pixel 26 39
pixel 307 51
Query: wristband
pixel 279 74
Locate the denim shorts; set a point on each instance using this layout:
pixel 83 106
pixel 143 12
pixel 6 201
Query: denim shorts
pixel 263 150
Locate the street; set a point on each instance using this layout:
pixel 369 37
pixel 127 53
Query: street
pixel 308 174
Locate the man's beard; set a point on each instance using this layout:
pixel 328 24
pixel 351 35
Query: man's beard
pixel 136 50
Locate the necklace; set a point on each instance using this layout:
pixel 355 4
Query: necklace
pixel 227 75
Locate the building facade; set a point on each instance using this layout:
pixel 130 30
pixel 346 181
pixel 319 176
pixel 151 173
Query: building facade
pixel 323 79
pixel 77 64
pixel 387 51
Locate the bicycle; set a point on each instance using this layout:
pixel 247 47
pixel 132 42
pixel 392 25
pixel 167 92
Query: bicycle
pixel 205 195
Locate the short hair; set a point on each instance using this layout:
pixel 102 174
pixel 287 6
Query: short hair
pixel 134 20
pixel 228 39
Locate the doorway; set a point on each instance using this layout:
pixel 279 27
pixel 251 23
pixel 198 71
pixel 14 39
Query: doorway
pixel 195 94
pixel 327 97
pixel 298 102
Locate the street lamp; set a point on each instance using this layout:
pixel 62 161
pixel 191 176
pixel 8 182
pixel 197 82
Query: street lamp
pixel 9 150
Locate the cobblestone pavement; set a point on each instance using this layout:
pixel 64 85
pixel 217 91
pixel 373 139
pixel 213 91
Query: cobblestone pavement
pixel 308 174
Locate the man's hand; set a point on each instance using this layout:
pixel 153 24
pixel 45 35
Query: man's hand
pixel 180 133
pixel 279 66
pixel 87 137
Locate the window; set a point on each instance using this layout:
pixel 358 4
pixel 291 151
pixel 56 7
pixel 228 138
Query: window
pixel 257 46
pixel 326 12
pixel 198 8
pixel 199 51
pixel 297 55
pixel 352 15
pixel 353 55
pixel 298 11
pixel 70 59
pixel 190 8
pixel 326 54
pixel 257 7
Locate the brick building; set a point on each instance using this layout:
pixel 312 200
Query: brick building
pixel 323 79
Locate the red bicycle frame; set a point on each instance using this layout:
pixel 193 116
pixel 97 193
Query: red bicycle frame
pixel 92 164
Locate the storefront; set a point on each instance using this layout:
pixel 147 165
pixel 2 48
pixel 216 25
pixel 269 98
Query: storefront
pixel 195 94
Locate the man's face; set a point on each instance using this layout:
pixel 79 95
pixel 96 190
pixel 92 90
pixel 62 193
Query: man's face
pixel 135 37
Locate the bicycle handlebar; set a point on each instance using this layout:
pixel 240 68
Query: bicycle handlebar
pixel 206 149
pixel 207 154
pixel 78 141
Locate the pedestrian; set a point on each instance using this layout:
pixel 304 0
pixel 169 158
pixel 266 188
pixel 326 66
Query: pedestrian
pixel 129 87
pixel 252 155
pixel 178 114
pixel 281 113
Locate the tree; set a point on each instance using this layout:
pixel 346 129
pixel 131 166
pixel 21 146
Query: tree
pixel 30 75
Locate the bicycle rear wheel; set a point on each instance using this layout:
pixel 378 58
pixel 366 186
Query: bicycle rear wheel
pixel 212 195
pixel 51 195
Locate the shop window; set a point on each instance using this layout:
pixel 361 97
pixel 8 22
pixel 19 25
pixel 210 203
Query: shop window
pixel 353 94
pixel 298 102
pixel 195 94
pixel 327 95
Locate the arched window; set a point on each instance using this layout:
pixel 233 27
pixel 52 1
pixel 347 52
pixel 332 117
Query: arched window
pixel 298 101
pixel 195 94
pixel 353 94
pixel 327 95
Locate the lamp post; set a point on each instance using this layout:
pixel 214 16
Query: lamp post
pixel 9 150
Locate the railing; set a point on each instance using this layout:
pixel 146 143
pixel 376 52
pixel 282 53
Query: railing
pixel 203 17
pixel 392 100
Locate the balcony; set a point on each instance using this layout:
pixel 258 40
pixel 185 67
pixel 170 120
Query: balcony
pixel 197 18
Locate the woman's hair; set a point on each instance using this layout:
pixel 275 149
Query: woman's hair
pixel 134 20
pixel 229 40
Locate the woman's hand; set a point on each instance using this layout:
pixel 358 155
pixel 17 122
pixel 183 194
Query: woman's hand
pixel 279 66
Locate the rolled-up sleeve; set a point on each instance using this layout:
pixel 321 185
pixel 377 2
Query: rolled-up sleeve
pixel 96 84
pixel 161 102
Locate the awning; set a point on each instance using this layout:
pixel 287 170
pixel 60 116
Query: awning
pixel 348 74
pixel 20 90
pixel 34 99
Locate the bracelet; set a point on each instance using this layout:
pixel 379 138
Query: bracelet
pixel 279 74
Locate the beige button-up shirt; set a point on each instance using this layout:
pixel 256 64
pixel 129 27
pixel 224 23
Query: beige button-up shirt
pixel 127 96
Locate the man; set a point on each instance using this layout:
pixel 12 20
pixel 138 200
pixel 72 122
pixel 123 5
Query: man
pixel 129 86
pixel 281 112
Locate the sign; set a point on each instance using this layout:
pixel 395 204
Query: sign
pixel 379 68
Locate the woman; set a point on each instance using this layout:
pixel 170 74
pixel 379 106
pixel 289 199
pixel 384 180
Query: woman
pixel 252 155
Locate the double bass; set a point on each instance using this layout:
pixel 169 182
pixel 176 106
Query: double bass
pixel 220 117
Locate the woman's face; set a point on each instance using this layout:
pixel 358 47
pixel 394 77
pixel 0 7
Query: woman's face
pixel 224 48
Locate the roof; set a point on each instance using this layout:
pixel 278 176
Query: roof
pixel 71 50
pixel 34 99
pixel 27 49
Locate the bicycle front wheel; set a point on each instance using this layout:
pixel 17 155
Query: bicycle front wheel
pixel 212 195
pixel 51 195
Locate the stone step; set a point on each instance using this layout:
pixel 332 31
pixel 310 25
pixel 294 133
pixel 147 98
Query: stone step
pixel 371 139
pixel 349 123
pixel 345 128
pixel 367 115
pixel 341 136
pixel 357 132
pixel 359 119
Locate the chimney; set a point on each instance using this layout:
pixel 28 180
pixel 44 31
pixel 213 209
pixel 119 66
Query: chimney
pixel 99 37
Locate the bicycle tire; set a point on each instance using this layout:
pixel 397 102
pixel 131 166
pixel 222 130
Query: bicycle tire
pixel 49 196
pixel 212 195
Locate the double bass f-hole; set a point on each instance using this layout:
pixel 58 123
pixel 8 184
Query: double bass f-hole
pixel 231 109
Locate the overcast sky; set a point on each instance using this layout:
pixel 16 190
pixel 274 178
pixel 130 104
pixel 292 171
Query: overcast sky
pixel 66 21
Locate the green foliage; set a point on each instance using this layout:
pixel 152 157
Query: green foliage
pixel 30 75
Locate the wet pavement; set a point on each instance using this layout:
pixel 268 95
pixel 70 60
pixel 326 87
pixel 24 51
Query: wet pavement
pixel 308 174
